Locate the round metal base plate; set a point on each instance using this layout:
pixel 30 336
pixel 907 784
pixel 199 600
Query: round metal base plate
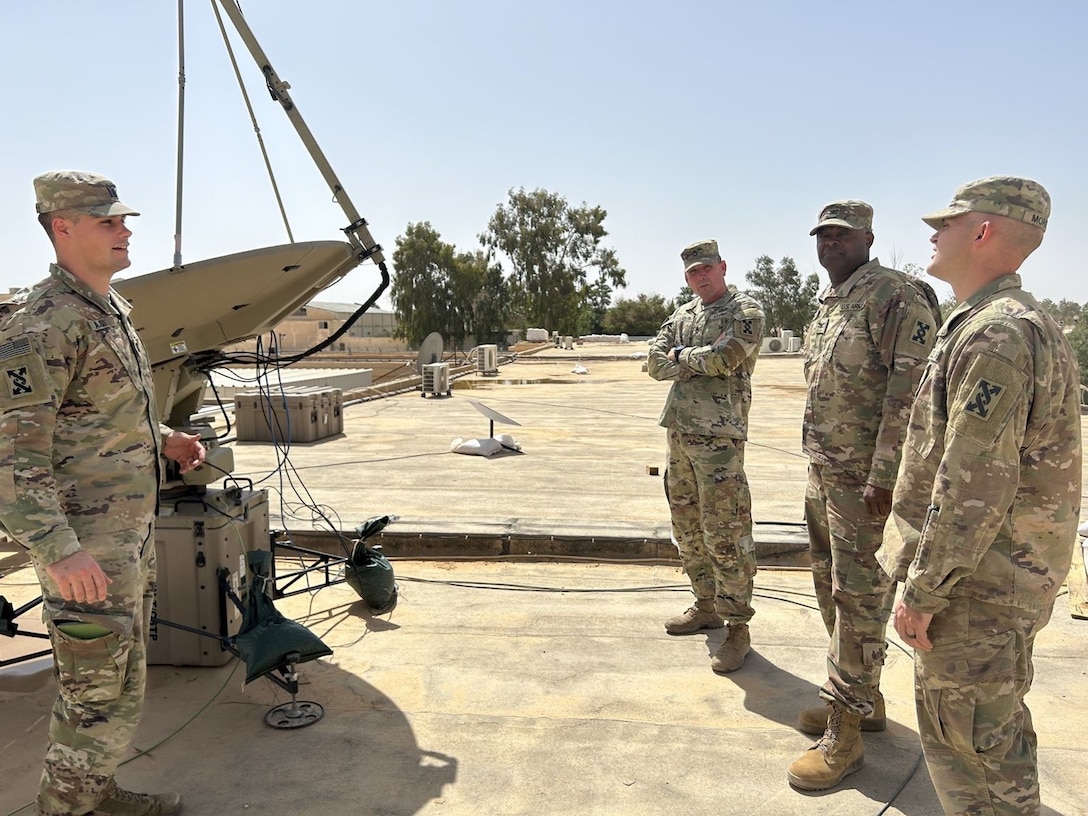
pixel 298 714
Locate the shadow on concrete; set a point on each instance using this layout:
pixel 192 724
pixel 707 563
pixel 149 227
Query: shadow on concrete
pixel 769 690
pixel 206 737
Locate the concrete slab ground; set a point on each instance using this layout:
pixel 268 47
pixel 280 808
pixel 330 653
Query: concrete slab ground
pixel 538 688
pixel 586 481
pixel 527 671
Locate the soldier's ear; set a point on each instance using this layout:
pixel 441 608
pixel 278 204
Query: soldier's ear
pixel 60 225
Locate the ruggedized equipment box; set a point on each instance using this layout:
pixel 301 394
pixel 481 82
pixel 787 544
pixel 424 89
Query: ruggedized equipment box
pixel 297 414
pixel 198 542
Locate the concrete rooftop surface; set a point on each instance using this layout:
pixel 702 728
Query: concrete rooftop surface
pixel 525 668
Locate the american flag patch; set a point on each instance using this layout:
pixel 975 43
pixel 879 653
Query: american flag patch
pixel 14 347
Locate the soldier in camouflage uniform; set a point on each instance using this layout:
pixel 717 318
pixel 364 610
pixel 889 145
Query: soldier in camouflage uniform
pixel 987 501
pixel 1077 582
pixel 79 479
pixel 864 352
pixel 708 350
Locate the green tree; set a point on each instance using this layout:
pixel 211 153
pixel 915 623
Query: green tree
pixel 435 288
pixel 788 301
pixel 487 295
pixel 598 297
pixel 560 273
pixel 420 285
pixel 686 293
pixel 947 306
pixel 913 270
pixel 1067 312
pixel 1078 339
pixel 640 317
pixel 909 267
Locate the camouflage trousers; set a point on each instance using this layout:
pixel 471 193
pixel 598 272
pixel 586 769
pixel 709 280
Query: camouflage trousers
pixel 101 680
pixel 1078 583
pixel 711 509
pixel 854 594
pixel 976 731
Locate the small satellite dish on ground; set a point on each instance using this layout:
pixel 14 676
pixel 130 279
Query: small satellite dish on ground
pixel 430 351
pixel 493 415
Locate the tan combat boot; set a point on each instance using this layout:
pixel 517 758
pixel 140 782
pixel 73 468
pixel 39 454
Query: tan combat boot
pixel 730 655
pixel 121 802
pixel 694 619
pixel 836 754
pixel 814 720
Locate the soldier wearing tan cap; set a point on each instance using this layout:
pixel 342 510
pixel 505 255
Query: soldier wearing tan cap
pixel 79 483
pixel 987 501
pixel 708 350
pixel 864 353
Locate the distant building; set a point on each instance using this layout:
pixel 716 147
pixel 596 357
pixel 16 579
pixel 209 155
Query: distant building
pixel 315 322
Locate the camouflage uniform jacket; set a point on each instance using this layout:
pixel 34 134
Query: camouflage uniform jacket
pixel 864 353
pixel 80 440
pixel 712 382
pixel 988 497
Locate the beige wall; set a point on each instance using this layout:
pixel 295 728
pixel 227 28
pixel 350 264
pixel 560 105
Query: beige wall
pixel 371 333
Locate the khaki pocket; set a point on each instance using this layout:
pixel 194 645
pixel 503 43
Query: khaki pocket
pixel 90 671
pixel 969 693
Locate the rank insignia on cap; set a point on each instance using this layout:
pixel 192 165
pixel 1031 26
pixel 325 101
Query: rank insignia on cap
pixel 984 399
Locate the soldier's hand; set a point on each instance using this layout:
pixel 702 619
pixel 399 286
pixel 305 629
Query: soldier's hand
pixel 913 626
pixel 79 578
pixel 878 500
pixel 185 449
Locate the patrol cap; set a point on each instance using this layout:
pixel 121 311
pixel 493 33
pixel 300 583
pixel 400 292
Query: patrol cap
pixel 851 213
pixel 76 190
pixel 1010 196
pixel 699 253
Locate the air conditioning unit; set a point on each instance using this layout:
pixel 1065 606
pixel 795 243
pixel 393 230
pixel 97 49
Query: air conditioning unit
pixel 487 359
pixel 787 338
pixel 436 379
pixel 773 344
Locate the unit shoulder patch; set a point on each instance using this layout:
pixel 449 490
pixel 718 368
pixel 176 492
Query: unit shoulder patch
pixel 985 399
pixel 982 400
pixel 745 328
pixel 921 330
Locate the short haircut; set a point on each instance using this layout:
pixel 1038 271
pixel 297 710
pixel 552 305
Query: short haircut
pixel 46 220
pixel 1023 238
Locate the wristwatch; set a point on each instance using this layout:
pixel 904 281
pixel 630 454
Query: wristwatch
pixel 676 352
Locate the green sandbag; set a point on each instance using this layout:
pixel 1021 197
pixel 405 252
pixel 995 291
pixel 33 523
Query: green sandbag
pixel 266 637
pixel 370 574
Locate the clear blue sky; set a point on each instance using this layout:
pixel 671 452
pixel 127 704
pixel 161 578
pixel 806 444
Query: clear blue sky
pixel 684 120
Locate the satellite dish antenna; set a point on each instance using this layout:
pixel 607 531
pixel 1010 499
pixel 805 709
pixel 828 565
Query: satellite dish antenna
pixel 430 351
pixel 493 415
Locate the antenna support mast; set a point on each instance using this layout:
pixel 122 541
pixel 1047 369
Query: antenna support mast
pixel 356 231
